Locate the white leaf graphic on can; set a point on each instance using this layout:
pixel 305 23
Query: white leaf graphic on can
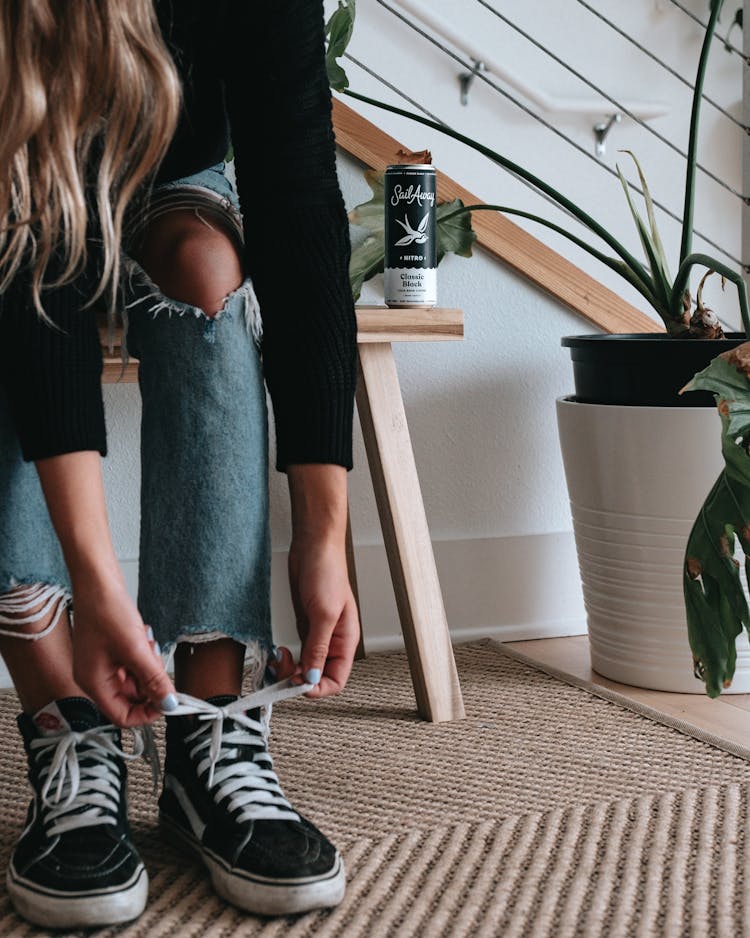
pixel 412 236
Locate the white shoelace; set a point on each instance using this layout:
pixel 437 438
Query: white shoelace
pixel 253 788
pixel 76 795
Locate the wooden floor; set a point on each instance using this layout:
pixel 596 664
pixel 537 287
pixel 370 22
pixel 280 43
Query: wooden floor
pixel 727 716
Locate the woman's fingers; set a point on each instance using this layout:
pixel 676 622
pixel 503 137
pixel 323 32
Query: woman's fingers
pixel 136 691
pixel 316 643
pixel 340 654
pixel 113 696
pixel 132 699
pixel 162 695
pixel 152 681
pixel 282 666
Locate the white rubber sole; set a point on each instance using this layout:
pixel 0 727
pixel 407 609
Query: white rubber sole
pixel 261 895
pixel 61 910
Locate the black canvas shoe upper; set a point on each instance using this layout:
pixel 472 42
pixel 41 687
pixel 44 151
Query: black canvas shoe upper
pixel 77 837
pixel 220 787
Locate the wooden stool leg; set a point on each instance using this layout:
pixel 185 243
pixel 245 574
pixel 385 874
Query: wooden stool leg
pixel 352 570
pixel 406 535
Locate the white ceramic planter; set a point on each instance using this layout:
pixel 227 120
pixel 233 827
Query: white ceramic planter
pixel 637 477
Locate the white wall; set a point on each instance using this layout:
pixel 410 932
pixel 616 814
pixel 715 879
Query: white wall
pixel 415 67
pixel 481 412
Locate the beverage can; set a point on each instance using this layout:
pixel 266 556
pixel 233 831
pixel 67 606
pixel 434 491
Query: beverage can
pixel 410 236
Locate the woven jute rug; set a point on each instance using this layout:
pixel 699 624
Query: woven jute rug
pixel 549 811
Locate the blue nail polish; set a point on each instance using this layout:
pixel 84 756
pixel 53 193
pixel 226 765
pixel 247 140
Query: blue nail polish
pixel 157 649
pixel 150 634
pixel 169 703
pixel 312 676
pixel 271 670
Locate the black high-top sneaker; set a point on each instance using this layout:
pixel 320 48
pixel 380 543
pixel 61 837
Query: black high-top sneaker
pixel 75 865
pixel 222 798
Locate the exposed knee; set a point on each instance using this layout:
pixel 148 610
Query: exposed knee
pixel 191 261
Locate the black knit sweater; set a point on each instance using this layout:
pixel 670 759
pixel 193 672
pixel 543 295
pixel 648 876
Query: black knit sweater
pixel 257 68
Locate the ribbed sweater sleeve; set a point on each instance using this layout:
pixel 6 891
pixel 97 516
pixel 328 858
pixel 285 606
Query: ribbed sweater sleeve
pixel 52 376
pixel 296 230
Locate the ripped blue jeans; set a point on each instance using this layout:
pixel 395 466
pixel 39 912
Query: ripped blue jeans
pixel 204 567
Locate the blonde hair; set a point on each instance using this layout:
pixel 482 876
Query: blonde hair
pixel 89 100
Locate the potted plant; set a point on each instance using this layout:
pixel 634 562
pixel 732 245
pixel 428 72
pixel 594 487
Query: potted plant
pixel 638 456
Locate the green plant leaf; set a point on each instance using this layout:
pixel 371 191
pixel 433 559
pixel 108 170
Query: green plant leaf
pixel 371 214
pixel 339 30
pixel 661 287
pixel 655 236
pixel 714 599
pixel 454 232
pixel 730 385
pixel 703 260
pixel 368 259
pixel 715 604
pixel 692 156
pixel 614 263
pixel 721 378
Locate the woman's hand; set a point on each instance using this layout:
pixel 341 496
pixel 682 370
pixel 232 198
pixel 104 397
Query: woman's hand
pixel 114 661
pixel 327 619
pixel 325 609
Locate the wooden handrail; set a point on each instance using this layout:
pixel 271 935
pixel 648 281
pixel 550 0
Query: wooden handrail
pixel 505 240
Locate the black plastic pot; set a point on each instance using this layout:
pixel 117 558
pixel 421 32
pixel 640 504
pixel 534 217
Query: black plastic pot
pixel 646 369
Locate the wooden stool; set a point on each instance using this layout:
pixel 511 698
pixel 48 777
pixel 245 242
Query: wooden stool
pixel 399 499
pixel 398 496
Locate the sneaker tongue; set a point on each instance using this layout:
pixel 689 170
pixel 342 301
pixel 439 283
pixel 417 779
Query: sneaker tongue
pixel 71 713
pixel 221 700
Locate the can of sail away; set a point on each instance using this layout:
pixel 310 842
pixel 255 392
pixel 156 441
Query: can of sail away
pixel 410 236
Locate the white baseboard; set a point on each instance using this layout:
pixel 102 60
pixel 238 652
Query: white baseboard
pixel 509 588
pixel 506 588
